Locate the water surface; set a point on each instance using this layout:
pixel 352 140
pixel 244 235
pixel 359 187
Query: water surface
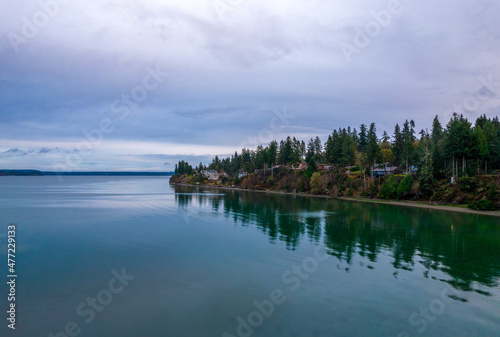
pixel 202 258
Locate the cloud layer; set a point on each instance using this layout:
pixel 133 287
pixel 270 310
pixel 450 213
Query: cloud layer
pixel 225 70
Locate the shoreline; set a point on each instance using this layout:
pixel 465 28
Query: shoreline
pixel 359 199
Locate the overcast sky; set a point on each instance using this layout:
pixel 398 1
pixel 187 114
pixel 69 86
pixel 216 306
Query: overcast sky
pixel 140 84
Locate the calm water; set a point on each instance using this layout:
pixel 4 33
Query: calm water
pixel 204 261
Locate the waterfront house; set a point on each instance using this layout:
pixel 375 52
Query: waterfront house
pixel 210 174
pixel 242 174
pixel 324 167
pixel 302 166
pixel 380 170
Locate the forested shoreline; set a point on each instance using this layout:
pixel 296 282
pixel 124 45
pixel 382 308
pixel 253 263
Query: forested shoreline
pixel 456 164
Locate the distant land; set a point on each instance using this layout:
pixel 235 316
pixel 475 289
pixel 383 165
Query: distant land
pixel 93 173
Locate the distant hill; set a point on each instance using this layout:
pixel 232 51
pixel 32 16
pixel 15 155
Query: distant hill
pixel 106 173
pixel 20 173
pixel 95 173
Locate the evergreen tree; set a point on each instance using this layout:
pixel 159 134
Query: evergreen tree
pixel 318 148
pixel 286 155
pixel 302 149
pixel 182 167
pixel 426 179
pixel 490 129
pixel 493 136
pixel 329 150
pixel 385 137
pixel 372 148
pixel 348 150
pixel 337 146
pixel 363 138
pixel 408 150
pixel 397 145
pixel 436 146
pixel 482 150
pixel 355 137
pixel 216 164
pixel 310 151
pixel 236 163
pixel 296 152
pixel 272 153
pixel 259 158
pixel 456 143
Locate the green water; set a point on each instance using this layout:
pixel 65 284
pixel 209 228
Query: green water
pixel 227 263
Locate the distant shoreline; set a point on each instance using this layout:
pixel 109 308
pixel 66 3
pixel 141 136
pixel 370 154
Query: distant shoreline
pixel 26 173
pixel 358 199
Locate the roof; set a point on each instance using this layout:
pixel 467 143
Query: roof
pixel 389 169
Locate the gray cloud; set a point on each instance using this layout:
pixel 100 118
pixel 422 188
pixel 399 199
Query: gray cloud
pixel 227 75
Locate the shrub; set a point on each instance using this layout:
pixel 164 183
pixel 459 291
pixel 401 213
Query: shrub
pixel 372 189
pixel 247 183
pixel 310 170
pixel 483 204
pixel 286 182
pixel 389 188
pixel 468 184
pixel 405 186
pixel 329 180
pixel 450 194
pixel 303 184
pixel 317 185
pixel 426 183
pixel 334 191
pixel 492 193
pixel 174 179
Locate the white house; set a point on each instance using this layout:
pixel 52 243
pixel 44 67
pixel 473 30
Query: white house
pixel 210 174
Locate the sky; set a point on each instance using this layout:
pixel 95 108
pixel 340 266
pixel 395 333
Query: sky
pixel 141 84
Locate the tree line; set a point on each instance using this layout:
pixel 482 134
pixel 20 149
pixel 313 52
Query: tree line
pixel 457 149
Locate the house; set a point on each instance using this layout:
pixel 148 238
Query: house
pixel 324 167
pixel 302 166
pixel 411 170
pixel 381 170
pixel 210 174
pixel 242 174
